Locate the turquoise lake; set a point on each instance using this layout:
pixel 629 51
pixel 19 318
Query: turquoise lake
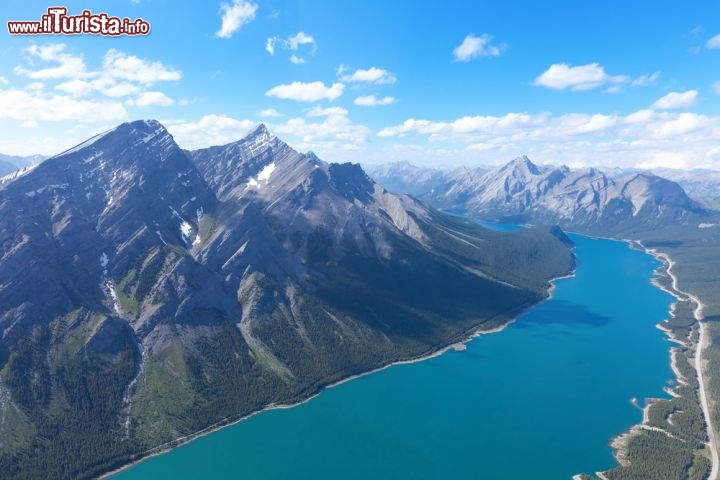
pixel 542 399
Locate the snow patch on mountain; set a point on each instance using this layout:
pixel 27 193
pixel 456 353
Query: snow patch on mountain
pixel 86 143
pixel 265 173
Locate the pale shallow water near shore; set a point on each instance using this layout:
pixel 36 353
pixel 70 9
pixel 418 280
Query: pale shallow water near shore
pixel 542 399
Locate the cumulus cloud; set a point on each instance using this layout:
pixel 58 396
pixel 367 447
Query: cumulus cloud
pixel 270 45
pixel 677 100
pixel 327 131
pixel 269 112
pixel 234 16
pixel 209 130
pixel 120 75
pixel 120 90
pixel 574 139
pixel 117 67
pixel 120 66
pixel 561 76
pixel 324 112
pixel 76 88
pixel 473 47
pixel 300 38
pixel 335 133
pixel 67 65
pixel 27 105
pixel 372 101
pixel 148 99
pixel 296 60
pixel 378 76
pixel 583 77
pixel 307 92
pixel 293 43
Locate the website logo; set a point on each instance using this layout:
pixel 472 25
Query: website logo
pixel 57 22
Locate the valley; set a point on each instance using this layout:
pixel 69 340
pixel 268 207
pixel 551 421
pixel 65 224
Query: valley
pixel 662 219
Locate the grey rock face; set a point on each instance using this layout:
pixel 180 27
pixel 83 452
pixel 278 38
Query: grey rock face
pixel 586 198
pixel 147 292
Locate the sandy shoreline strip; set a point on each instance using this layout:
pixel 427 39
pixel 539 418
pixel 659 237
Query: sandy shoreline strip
pixel 700 347
pixel 455 346
pixel 619 443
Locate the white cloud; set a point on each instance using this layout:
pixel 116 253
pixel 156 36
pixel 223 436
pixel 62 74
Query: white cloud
pixel 148 99
pixel 561 76
pixel 269 112
pixel 209 130
pixel 270 45
pixel 120 75
pixel 120 90
pixel 307 92
pixel 463 127
pixel 716 87
pixel 574 139
pixel 30 124
pixel 3 81
pixel 234 16
pixel 300 38
pixel 378 76
pixel 476 47
pixel 584 77
pixel 677 100
pixel 24 105
pixel 293 43
pixel 714 42
pixel 335 133
pixel 331 137
pixel 120 66
pixel 76 88
pixel 641 116
pixel 676 126
pixel 645 80
pixel 296 60
pixel 324 112
pixel 372 101
pixel 664 160
pixel 68 66
pixel 71 91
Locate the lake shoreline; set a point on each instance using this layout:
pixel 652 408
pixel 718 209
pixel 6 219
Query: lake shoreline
pixel 620 442
pixel 466 337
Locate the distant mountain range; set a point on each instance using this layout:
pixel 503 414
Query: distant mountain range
pixel 9 163
pixel 700 184
pixel 147 293
pixel 407 178
pixel 583 199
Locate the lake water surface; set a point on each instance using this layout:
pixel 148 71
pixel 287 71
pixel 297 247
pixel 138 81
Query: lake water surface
pixel 542 399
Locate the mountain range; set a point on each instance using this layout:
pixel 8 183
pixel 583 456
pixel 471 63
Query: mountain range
pixel 149 293
pixel 585 199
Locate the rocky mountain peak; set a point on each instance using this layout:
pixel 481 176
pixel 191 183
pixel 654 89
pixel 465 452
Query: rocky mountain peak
pixel 524 165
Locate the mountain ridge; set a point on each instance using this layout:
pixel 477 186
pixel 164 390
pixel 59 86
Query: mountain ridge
pixel 582 199
pixel 149 292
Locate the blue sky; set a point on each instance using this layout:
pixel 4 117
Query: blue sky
pixel 608 83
